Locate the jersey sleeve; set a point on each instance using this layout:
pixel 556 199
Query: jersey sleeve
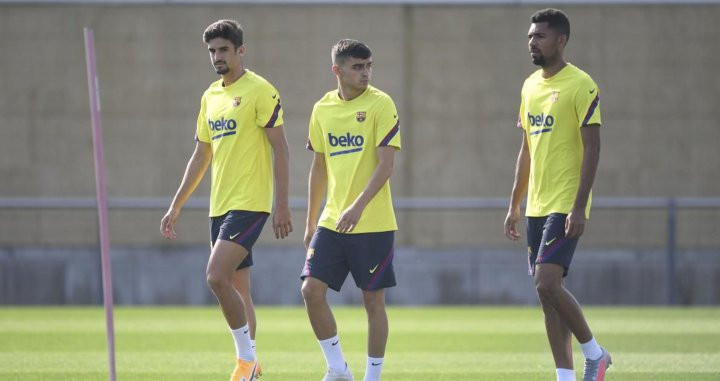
pixel 315 140
pixel 387 125
pixel 201 131
pixel 587 103
pixel 268 108
pixel 521 113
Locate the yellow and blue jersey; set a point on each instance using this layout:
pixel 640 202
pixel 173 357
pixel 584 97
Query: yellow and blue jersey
pixel 348 134
pixel 232 120
pixel 552 112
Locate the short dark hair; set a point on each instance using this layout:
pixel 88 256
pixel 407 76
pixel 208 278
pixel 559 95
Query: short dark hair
pixel 346 48
pixel 228 29
pixel 556 19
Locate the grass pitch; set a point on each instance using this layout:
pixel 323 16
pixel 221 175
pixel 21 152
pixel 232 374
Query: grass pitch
pixel 473 343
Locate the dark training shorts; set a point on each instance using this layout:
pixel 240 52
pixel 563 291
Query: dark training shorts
pixel 239 226
pixel 547 242
pixel 368 256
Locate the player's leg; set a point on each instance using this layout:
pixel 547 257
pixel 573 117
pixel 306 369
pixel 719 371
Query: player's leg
pixel 371 264
pixel 241 282
pixel 374 302
pixel 552 264
pixel 236 236
pixel 558 334
pixel 325 267
pixel 225 257
pixel 552 292
pixel 314 292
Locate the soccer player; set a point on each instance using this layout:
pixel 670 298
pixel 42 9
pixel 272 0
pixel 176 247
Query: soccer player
pixel 354 133
pixel 560 118
pixel 239 130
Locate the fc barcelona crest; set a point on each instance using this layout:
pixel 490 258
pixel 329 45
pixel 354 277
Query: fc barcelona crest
pixel 236 101
pixel 554 96
pixel 360 116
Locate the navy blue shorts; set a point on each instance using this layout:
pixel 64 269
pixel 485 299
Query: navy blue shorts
pixel 547 242
pixel 239 226
pixel 368 256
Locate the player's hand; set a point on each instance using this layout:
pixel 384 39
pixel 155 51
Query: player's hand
pixel 349 219
pixel 282 223
pixel 167 224
pixel 575 224
pixel 309 233
pixel 511 221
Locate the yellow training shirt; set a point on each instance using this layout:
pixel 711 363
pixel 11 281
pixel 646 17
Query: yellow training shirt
pixel 232 120
pixel 348 134
pixel 552 112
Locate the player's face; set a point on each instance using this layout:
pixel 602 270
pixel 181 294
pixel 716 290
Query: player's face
pixel 543 43
pixel 223 55
pixel 355 72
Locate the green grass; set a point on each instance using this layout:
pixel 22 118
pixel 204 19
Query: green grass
pixel 474 343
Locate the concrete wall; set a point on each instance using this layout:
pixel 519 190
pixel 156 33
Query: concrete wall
pixel 151 276
pixel 454 71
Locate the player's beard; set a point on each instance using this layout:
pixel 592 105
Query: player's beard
pixel 539 60
pixel 224 69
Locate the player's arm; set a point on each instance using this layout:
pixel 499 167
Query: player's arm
pixel 196 167
pixel 350 216
pixel 575 222
pixel 317 186
pixel 520 185
pixel 282 223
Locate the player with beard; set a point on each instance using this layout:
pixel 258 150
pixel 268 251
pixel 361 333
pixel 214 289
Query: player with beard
pixel 240 131
pixel 560 118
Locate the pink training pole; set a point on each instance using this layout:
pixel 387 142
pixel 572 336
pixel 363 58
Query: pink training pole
pixel 94 94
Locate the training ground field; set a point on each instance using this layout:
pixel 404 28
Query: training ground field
pixel 473 343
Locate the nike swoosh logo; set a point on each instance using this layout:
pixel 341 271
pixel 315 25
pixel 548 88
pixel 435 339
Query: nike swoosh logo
pixel 547 243
pixel 245 332
pixel 372 270
pixel 275 96
pixel 335 343
pixel 592 91
pixel 235 235
pixel 373 364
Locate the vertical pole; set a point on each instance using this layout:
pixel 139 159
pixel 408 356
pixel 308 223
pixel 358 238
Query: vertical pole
pixel 671 250
pixel 403 236
pixel 94 95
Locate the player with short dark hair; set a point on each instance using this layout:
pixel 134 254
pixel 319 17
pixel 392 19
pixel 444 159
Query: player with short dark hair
pixel 354 133
pixel 560 118
pixel 240 131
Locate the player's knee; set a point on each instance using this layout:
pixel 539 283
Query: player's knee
pixel 217 282
pixel 311 293
pixel 547 289
pixel 373 301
